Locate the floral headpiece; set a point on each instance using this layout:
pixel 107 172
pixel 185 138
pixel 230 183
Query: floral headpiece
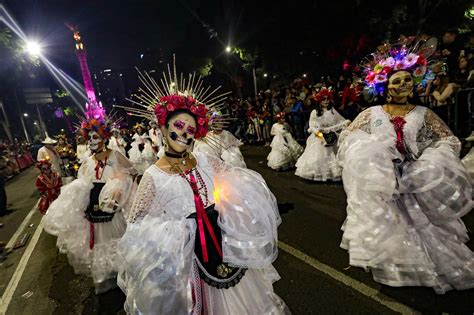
pixel 280 115
pixel 102 127
pixel 138 125
pixel 171 103
pixel 157 101
pixel 324 93
pixel 389 59
pixel 42 162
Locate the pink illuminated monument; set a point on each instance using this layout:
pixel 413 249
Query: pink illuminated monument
pixel 94 108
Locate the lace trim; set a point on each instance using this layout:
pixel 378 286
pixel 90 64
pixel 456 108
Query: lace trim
pixel 361 122
pixel 435 130
pixel 144 198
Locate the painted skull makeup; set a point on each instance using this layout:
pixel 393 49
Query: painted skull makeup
pixel 400 84
pixel 180 132
pixel 95 141
pixel 45 169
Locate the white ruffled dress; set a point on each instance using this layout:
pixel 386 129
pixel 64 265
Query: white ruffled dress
pixel 66 219
pixel 318 162
pixel 117 144
pixel 468 161
pixel 159 270
pixel 404 218
pixel 224 146
pixel 141 160
pixel 285 150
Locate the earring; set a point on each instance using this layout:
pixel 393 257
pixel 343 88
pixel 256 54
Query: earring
pixel 411 94
pixel 389 98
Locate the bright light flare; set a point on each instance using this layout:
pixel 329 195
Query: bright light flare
pixel 33 48
pixel 265 75
pixel 228 49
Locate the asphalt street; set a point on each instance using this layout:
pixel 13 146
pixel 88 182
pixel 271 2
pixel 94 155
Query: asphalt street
pixel 315 276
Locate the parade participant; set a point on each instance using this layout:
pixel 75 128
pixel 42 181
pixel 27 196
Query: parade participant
pixel 156 136
pixel 141 154
pixel 116 142
pixel 5 171
pixel 406 186
pixel 48 152
pixel 318 161
pixel 223 145
pixel 48 183
pixel 202 234
pixel 67 155
pixel 285 150
pixel 82 151
pixel 88 215
pixel 468 160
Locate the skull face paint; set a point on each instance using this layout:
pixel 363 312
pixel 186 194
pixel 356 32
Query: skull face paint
pixel 180 132
pixel 95 141
pixel 46 169
pixel 400 85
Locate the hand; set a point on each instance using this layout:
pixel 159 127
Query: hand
pixel 108 205
pixel 445 52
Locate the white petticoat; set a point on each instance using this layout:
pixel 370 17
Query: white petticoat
pixel 281 156
pixel 406 228
pixel 318 162
pixel 65 219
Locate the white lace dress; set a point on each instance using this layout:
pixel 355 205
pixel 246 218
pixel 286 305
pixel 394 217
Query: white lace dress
pixel 91 247
pixel 403 218
pixel 319 162
pixel 160 272
pixel 285 150
pixel 223 145
pixel 141 159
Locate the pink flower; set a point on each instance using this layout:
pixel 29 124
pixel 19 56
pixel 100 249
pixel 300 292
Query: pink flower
pixel 202 121
pixel 170 107
pixel 389 62
pixel 399 65
pixel 160 113
pixel 419 71
pixel 410 60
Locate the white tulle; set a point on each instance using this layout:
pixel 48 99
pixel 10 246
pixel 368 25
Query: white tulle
pixel 222 145
pixel 117 144
pixel 158 272
pixel 403 219
pixel 144 159
pixel 468 161
pixel 319 162
pixel 65 218
pixel 285 150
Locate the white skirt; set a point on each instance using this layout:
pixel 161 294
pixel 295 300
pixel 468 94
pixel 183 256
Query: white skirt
pixel 281 155
pixel 318 162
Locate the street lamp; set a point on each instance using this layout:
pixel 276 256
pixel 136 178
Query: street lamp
pixel 304 75
pixel 25 114
pixel 228 49
pixel 265 75
pixel 33 48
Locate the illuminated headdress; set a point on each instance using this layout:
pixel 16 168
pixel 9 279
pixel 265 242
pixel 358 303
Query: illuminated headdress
pixel 325 92
pixel 157 101
pixel 388 59
pixel 102 127
pixel 138 125
pixel 280 116
pixel 43 162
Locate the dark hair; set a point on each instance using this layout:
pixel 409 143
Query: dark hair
pixel 177 112
pixel 319 109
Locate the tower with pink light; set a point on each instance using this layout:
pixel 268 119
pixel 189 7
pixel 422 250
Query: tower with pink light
pixel 94 108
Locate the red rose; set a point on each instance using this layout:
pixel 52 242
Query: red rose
pixel 202 121
pixel 421 60
pixel 170 107
pixel 160 113
pixel 386 70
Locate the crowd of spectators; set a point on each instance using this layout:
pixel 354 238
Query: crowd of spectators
pixel 446 92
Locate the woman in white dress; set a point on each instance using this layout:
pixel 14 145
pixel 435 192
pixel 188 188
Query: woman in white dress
pixel 116 142
pixel 318 161
pixel 223 145
pixel 406 187
pixel 141 154
pixel 88 217
pixel 285 150
pixel 202 235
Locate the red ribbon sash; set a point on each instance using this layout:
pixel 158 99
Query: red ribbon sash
pixel 398 124
pixel 202 220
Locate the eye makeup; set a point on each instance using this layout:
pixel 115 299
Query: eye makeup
pixel 179 124
pixel 191 130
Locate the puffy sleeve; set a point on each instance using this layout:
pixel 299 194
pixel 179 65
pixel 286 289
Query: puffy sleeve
pixel 313 122
pixel 120 188
pixel 248 217
pixel 144 198
pixel 438 177
pixel 337 124
pixel 274 130
pixel 362 122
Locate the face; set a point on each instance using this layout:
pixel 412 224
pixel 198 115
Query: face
pixel 140 130
pixel 116 133
pixel 180 132
pixel 61 141
pixel 462 63
pixel 325 102
pixel 95 141
pixel 153 125
pixel 45 168
pixel 400 84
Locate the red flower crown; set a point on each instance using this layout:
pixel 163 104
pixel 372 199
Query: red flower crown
pixel 170 103
pixel 42 162
pixel 324 92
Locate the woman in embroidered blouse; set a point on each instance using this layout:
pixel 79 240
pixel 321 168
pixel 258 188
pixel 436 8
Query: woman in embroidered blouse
pixel 88 216
pixel 406 188
pixel 202 234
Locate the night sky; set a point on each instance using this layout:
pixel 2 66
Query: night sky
pixel 287 34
